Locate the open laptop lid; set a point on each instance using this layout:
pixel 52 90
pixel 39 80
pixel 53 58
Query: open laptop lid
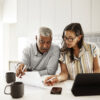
pixel 86 84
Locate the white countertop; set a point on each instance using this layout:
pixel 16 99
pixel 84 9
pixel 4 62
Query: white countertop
pixel 35 93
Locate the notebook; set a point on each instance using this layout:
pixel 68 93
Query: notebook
pixel 86 84
pixel 33 78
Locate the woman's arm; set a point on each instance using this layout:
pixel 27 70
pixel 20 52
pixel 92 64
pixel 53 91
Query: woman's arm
pixel 64 72
pixel 96 65
pixel 58 78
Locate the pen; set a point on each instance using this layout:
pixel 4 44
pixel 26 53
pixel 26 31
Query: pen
pixel 51 79
pixel 22 71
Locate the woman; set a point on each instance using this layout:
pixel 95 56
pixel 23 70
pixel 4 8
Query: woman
pixel 76 55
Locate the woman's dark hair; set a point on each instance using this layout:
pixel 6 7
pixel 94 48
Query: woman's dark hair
pixel 74 27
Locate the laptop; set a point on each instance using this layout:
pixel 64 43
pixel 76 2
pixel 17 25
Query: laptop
pixel 86 84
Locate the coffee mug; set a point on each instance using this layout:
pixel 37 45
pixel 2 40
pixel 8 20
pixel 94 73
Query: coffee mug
pixel 10 77
pixel 16 89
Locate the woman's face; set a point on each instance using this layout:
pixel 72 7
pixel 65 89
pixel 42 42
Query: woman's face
pixel 71 39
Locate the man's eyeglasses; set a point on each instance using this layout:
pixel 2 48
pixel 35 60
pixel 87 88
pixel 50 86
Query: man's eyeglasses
pixel 69 39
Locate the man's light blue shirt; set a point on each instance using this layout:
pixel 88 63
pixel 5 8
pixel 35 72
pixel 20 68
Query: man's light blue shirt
pixel 46 63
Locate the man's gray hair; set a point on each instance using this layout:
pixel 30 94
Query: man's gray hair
pixel 45 31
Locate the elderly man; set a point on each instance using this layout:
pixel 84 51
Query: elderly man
pixel 42 56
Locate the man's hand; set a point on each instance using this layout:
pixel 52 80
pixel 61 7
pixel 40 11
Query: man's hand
pixel 19 71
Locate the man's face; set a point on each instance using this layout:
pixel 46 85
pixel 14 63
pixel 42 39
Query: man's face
pixel 44 43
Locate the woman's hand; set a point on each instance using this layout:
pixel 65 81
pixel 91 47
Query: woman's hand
pixel 51 80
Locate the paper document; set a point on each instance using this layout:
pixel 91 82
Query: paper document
pixel 33 79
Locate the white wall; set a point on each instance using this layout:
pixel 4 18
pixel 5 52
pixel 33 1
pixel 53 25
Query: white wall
pixel 95 16
pixel 1 8
pixel 56 14
pixel 1 45
pixel 6 45
pixel 1 37
pixel 7 15
pixel 10 11
pixel 81 12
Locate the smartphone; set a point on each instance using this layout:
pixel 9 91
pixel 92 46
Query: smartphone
pixel 56 90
